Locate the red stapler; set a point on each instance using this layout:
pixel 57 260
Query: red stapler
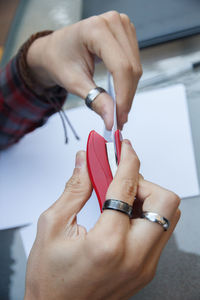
pixel 102 160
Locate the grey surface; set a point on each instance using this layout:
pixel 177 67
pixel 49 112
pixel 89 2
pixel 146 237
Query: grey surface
pixel 177 276
pixel 38 15
pixel 155 20
pixel 12 265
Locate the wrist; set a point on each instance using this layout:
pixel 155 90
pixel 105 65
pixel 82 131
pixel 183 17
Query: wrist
pixel 30 64
pixel 28 296
pixel 35 59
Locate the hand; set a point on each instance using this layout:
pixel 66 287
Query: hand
pixel 66 57
pixel 117 257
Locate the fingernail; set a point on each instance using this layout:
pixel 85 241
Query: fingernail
pixel 120 127
pixel 80 159
pixel 124 118
pixel 108 119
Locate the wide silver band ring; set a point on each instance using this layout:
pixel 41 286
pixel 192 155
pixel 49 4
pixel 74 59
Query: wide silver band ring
pixel 156 218
pixel 119 206
pixel 91 96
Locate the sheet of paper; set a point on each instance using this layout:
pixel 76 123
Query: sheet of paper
pixel 34 172
pixel 159 128
pixel 109 135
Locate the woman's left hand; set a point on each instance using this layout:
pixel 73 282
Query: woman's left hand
pixel 113 260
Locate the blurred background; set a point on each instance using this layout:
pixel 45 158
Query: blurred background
pixel 19 19
pixel 157 22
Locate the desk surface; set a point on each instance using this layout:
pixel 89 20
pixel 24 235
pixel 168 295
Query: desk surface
pixel 179 268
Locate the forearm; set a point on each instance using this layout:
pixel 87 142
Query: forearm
pixel 22 108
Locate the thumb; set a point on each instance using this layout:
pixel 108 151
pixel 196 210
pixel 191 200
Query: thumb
pixel 77 191
pixel 103 106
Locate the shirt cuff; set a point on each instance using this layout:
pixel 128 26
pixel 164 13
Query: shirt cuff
pixel 50 95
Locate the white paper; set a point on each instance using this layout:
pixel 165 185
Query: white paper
pixel 160 133
pixel 34 172
pixel 110 135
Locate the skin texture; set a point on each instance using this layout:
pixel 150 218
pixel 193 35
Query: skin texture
pixel 67 58
pixel 113 260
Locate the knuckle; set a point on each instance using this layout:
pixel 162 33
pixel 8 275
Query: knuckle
pixel 96 30
pixel 74 185
pixel 172 199
pixel 138 71
pixel 129 186
pixel 109 252
pixel 125 19
pixel 113 16
pixel 45 219
pixel 126 67
pixel 96 24
pixel 148 275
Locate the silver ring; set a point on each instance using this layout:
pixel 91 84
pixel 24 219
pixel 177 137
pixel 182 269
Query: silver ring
pixel 91 96
pixel 119 206
pixel 156 218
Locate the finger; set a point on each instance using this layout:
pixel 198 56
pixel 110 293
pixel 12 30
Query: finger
pixel 154 255
pixel 158 200
pixel 103 106
pixel 121 29
pixel 101 42
pixel 124 188
pixel 77 191
pixel 132 38
pixel 82 84
pixel 145 269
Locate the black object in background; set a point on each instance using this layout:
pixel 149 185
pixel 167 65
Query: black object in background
pixel 156 21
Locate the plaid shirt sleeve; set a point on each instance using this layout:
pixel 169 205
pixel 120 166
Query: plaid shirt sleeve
pixel 21 110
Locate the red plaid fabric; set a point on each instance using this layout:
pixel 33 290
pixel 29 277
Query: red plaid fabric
pixel 21 110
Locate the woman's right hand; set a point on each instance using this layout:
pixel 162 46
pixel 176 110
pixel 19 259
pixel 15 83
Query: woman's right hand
pixel 67 58
pixel 118 256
